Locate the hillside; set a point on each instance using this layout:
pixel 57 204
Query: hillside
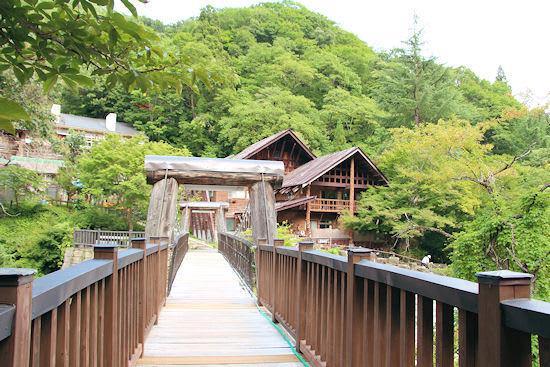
pixel 282 66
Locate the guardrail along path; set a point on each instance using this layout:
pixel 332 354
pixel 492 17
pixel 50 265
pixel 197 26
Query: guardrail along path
pixel 210 319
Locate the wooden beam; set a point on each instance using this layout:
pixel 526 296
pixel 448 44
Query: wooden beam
pixel 292 152
pixel 352 193
pixel 212 178
pixel 282 148
pixel 308 213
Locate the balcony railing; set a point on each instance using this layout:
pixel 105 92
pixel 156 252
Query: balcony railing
pixel 330 205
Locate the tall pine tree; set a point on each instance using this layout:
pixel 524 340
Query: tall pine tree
pixel 415 89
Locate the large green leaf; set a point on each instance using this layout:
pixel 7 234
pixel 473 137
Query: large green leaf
pixel 11 111
pixel 130 7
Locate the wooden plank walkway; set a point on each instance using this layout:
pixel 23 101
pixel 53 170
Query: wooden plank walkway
pixel 210 319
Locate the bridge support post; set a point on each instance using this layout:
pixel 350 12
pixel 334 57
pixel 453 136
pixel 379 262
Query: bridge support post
pixel 275 278
pixel 259 269
pixel 161 215
pixel 110 314
pixel 301 293
pixel 16 289
pixel 500 346
pixel 354 314
pixel 263 217
pixel 139 243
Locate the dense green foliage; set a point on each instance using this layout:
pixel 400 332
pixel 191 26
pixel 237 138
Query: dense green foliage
pixel 37 236
pixel 56 39
pixel 112 172
pixel 282 66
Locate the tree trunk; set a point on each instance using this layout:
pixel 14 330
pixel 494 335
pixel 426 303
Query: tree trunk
pixel 130 223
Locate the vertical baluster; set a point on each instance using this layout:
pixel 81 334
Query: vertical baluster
pixel 380 331
pixel 335 321
pixel 315 311
pixel 330 316
pixel 353 309
pixel 48 338
pixel 85 328
pixel 323 316
pixel 444 334
pixel 301 293
pixel 467 339
pixel 75 315
pixel 393 351
pixel 101 323
pixel 93 325
pixel 342 320
pixel 425 332
pixel 406 332
pixel 368 322
pixel 35 341
pixel 309 305
pixel 110 307
pixel 63 324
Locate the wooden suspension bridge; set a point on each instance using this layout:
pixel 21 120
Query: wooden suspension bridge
pixel 157 303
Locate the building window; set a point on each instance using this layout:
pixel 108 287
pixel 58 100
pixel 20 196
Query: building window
pixel 325 224
pixel 236 194
pixel 230 224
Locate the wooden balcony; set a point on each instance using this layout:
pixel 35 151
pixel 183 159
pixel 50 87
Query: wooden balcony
pixel 330 205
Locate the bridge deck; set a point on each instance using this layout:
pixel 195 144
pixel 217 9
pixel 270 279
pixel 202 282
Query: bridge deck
pixel 210 319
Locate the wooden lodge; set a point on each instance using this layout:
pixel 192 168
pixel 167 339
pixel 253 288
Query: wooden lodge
pixel 315 190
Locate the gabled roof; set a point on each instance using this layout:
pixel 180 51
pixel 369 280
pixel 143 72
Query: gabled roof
pixel 258 146
pixel 88 123
pixel 309 172
pixel 288 204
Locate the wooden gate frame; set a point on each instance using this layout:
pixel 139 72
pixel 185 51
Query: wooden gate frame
pixel 166 173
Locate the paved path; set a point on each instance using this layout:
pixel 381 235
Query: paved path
pixel 210 319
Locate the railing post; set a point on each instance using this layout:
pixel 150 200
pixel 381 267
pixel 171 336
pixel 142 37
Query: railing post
pixel 500 346
pixel 140 243
pixel 16 289
pixel 164 268
pixel 274 277
pixel 157 294
pixel 110 311
pixel 259 268
pixel 301 293
pixel 354 312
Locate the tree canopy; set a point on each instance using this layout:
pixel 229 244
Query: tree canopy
pixel 69 41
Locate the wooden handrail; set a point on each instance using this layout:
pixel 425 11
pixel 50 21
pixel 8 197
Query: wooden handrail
pixel 98 312
pixel 355 312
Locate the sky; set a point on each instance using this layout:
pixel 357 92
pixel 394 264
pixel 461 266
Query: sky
pixel 480 35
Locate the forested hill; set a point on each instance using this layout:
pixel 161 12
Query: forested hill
pixel 282 66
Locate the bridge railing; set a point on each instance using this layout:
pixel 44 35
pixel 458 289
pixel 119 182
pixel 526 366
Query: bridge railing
pixel 240 254
pixel 96 313
pixel 355 312
pixel 178 250
pixel 90 237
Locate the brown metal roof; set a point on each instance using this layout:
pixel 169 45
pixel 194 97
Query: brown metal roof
pixel 287 204
pixel 309 172
pixel 256 147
